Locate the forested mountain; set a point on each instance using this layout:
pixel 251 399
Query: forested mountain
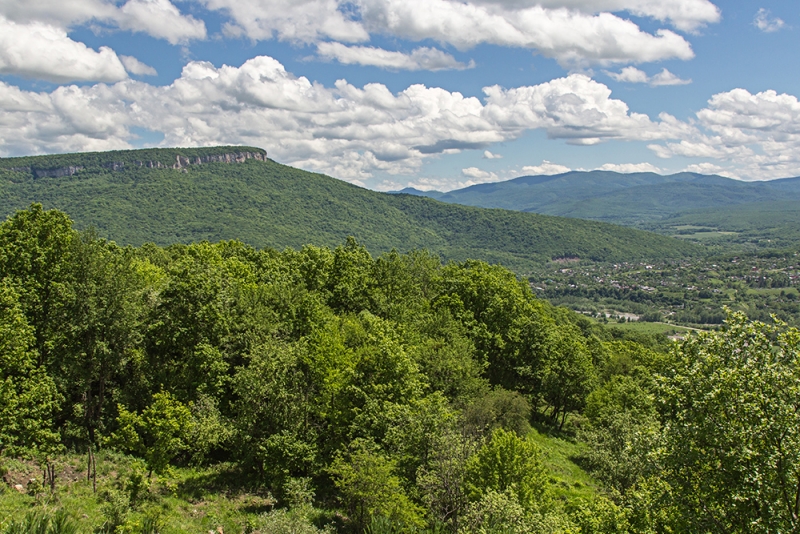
pixel 636 199
pixel 186 195
pixel 219 387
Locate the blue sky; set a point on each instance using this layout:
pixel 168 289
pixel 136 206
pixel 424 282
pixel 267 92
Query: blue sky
pixel 435 94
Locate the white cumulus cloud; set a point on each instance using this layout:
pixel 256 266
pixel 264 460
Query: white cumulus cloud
pixel 355 132
pixel 575 108
pixel 630 75
pixel 490 155
pixel 570 36
pixel 158 18
pixel 161 19
pixel 665 77
pixel 766 23
pixel 423 58
pixel 634 75
pixel 575 33
pixel 758 134
pixel 545 168
pixel 134 66
pixel 479 174
pixel 626 168
pixel 710 168
pixel 35 42
pixel 346 131
pixel 686 15
pixel 60 13
pixel 291 20
pixel 43 51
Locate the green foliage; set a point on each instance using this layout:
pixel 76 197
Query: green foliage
pixel 498 408
pixel 115 511
pixel 36 522
pixel 618 450
pixel 399 388
pixel 442 481
pixel 272 416
pixel 621 394
pixel 28 395
pixel 446 357
pixel 599 516
pixel 501 513
pixel 567 373
pixel 623 430
pixel 508 464
pixel 136 483
pixel 208 431
pixel 283 521
pixel 159 434
pixel 37 252
pixel 732 428
pixel 369 487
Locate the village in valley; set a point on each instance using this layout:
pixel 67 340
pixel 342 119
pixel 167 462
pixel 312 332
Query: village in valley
pixel 694 292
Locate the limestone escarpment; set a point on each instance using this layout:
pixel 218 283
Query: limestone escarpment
pixel 181 163
pixel 56 172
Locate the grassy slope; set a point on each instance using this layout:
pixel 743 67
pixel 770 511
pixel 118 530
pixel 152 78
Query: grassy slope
pixel 185 500
pixel 569 481
pixel 268 204
pixel 204 499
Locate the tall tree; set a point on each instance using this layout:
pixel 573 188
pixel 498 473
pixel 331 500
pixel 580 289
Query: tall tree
pixel 731 449
pixel 28 395
pixel 37 251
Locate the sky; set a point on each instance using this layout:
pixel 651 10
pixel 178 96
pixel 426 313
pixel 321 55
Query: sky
pixel 432 94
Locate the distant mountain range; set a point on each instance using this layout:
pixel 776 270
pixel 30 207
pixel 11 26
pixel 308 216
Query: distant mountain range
pixel 647 200
pixel 185 195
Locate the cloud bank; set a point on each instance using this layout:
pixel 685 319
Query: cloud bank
pixel 759 134
pixel 344 130
pixel 354 132
pixel 574 32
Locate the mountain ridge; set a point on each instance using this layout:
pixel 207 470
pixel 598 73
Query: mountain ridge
pixel 634 199
pixel 265 203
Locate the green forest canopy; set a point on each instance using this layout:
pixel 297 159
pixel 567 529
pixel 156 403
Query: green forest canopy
pixel 394 390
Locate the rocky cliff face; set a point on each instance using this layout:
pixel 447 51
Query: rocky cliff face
pixel 51 173
pixel 181 162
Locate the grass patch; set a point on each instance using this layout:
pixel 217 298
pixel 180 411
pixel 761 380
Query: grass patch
pixel 185 500
pixel 684 227
pixel 650 328
pixel 706 236
pixel 570 482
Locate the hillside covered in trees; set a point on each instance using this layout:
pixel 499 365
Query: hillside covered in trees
pixel 170 196
pixel 351 393
pixel 705 208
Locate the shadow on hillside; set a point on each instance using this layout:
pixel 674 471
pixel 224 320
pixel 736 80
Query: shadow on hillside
pixel 228 480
